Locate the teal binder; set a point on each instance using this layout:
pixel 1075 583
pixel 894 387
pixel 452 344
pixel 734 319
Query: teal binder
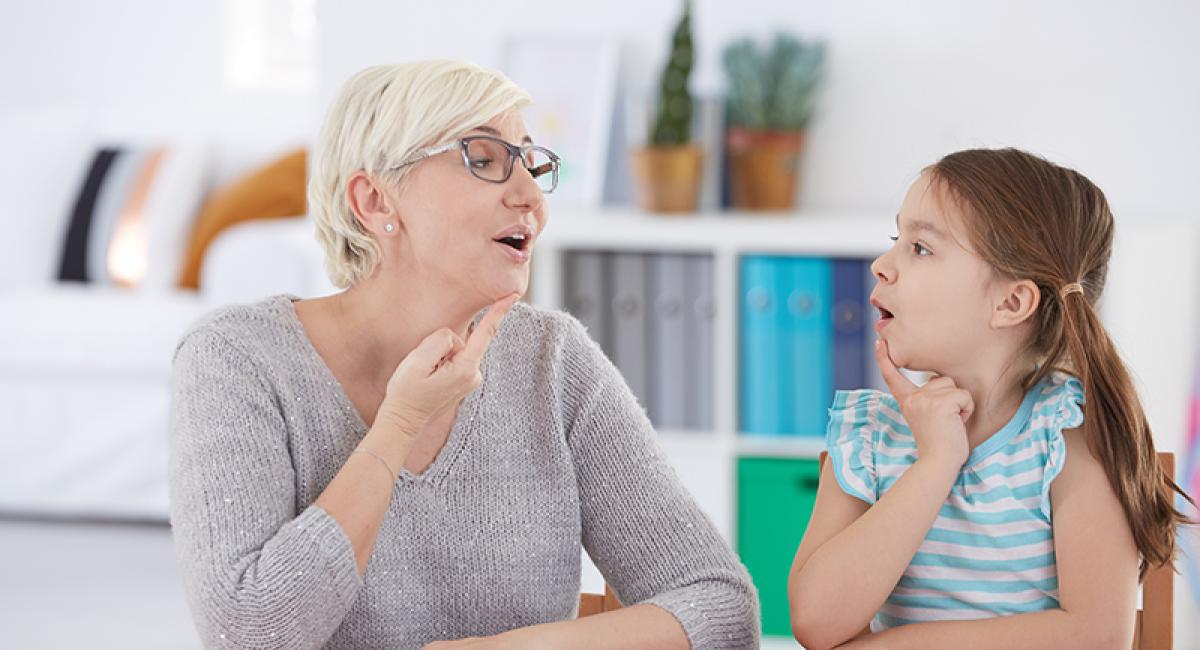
pixel 760 392
pixel 806 373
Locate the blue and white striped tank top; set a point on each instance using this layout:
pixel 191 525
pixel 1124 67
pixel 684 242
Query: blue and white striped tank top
pixel 991 550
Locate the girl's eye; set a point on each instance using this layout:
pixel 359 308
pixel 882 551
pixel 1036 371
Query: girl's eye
pixel 920 249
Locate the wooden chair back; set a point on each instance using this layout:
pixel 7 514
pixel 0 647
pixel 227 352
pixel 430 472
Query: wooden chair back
pixel 590 604
pixel 1154 629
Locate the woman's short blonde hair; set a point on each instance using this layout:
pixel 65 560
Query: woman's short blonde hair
pixel 382 116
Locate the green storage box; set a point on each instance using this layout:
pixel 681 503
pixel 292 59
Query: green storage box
pixel 775 498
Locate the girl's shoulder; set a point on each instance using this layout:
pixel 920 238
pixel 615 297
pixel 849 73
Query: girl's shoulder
pixel 1058 405
pixel 865 428
pixel 864 412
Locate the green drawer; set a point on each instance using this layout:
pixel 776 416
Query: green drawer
pixel 775 498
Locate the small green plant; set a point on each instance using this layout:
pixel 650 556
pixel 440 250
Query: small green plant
pixel 673 122
pixel 773 90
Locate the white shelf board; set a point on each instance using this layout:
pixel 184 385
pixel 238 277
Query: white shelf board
pixel 782 446
pixel 740 444
pixel 779 643
pixel 825 234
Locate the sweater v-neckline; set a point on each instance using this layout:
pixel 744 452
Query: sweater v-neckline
pixel 464 420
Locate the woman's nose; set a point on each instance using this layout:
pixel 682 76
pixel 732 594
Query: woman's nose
pixel 524 192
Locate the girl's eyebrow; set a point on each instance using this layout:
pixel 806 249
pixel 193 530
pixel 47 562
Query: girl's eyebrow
pixel 918 225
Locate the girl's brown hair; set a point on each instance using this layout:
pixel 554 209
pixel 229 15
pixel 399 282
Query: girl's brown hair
pixel 1031 219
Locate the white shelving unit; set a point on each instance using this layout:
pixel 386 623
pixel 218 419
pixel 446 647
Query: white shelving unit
pixel 727 237
pixel 707 460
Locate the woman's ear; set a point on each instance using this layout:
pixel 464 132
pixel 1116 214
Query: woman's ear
pixel 1016 303
pixel 370 204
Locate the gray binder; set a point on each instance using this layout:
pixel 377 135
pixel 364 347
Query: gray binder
pixel 629 329
pixel 699 352
pixel 669 312
pixel 585 293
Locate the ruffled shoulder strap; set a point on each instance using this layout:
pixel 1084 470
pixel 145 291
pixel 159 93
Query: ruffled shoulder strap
pixel 850 440
pixel 1058 408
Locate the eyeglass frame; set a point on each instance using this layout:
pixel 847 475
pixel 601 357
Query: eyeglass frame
pixel 514 152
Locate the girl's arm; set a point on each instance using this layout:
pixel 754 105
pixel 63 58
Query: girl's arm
pixel 1097 576
pixel 852 554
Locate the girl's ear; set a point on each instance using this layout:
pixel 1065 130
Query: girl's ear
pixel 369 203
pixel 1016 302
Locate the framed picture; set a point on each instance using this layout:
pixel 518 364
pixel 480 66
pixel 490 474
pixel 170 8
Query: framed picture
pixel 573 82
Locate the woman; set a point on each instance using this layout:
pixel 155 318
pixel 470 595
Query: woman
pixel 370 469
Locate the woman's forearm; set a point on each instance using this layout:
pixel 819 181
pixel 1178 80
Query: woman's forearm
pixel 842 584
pixel 359 494
pixel 1052 629
pixel 629 628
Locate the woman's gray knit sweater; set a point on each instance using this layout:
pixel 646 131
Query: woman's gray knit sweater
pixel 551 452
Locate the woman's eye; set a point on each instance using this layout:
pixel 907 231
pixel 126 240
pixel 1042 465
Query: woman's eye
pixel 480 163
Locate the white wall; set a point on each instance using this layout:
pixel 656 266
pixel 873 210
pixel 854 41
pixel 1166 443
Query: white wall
pixel 1107 87
pixel 141 69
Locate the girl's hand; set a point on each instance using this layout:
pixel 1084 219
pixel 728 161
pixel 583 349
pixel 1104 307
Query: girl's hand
pixel 439 373
pixel 936 412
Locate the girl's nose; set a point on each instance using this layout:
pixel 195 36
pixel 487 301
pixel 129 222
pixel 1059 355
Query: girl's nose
pixel 883 271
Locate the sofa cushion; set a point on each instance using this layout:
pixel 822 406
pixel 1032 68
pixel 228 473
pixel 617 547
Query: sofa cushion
pixel 271 192
pixel 131 214
pixel 79 331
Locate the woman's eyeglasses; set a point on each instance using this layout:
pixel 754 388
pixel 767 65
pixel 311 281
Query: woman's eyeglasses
pixel 491 159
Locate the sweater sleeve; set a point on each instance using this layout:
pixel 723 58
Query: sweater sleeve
pixel 640 525
pixel 257 573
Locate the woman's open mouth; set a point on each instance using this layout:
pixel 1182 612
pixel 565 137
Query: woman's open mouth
pixel 516 242
pixel 519 241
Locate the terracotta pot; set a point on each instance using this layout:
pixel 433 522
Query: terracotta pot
pixel 763 168
pixel 668 178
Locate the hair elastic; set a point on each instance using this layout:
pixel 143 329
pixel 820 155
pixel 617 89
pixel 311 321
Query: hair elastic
pixel 1074 287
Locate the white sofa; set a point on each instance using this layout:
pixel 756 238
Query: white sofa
pixel 84 374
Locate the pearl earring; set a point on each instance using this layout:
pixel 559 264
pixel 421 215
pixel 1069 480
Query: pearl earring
pixel 388 227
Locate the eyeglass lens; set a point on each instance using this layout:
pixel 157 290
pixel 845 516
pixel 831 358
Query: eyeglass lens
pixel 490 160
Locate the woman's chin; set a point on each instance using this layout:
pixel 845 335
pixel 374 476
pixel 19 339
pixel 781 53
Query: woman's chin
pixel 499 290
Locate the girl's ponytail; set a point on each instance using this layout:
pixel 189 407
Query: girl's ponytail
pixel 1118 433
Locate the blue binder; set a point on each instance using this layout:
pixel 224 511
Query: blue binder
pixel 806 373
pixel 849 321
pixel 759 403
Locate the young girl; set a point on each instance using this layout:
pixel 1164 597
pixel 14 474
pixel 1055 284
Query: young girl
pixel 1014 500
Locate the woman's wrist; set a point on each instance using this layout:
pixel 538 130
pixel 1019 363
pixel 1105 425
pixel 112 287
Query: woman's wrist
pixel 389 441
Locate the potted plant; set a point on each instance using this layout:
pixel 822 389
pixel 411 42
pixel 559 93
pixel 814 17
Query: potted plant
pixel 770 102
pixel 668 169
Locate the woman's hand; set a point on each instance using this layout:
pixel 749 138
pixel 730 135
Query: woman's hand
pixel 936 412
pixel 439 373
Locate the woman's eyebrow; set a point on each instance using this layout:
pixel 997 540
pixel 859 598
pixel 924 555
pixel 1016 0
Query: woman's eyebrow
pixel 490 131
